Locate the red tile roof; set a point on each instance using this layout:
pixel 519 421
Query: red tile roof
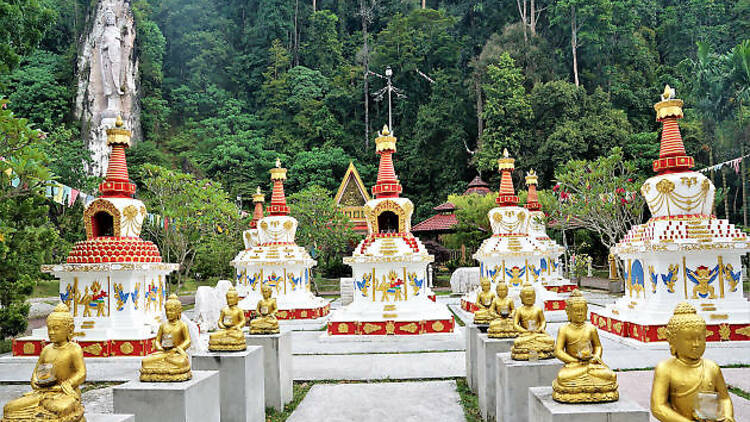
pixel 439 222
pixel 478 186
pixel 445 206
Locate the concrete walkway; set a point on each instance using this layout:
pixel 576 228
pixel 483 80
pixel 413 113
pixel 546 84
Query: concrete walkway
pixel 381 402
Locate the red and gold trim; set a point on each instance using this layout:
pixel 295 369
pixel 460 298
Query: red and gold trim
pixel 390 327
pixel 113 249
pixel 563 288
pixel 656 333
pixel 554 305
pixel 292 314
pixel 91 349
pixel 387 184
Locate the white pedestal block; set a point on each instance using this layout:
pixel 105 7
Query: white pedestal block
pixel 487 348
pixel 471 332
pixel 241 374
pixel 108 417
pixel 277 366
pixel 514 377
pixel 195 400
pixel 542 408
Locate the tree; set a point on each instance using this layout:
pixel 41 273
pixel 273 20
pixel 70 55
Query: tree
pixel 199 213
pixel 602 195
pixel 506 112
pixel 322 227
pixel 24 23
pixel 27 240
pixel 473 224
pixel 322 51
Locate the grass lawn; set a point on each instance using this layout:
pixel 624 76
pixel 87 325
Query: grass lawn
pixel 46 288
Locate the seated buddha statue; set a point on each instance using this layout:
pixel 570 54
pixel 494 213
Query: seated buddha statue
pixel 530 323
pixel 584 378
pixel 482 315
pixel 265 321
pixel 230 336
pixel 686 386
pixel 502 311
pixel 59 371
pixel 170 362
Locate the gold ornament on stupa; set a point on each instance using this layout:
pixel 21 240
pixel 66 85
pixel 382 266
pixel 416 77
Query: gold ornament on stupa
pixel 584 378
pixel 502 311
pixel 170 362
pixel 265 321
pixel 533 342
pixel 229 337
pixel 686 386
pixel 55 382
pixel 482 315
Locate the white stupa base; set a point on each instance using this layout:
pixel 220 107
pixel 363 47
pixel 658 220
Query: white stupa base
pixel 297 306
pixel 645 321
pixel 383 318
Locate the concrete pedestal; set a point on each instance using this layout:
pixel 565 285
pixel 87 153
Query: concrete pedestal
pixel 108 417
pixel 542 408
pixel 471 332
pixel 487 348
pixel 277 366
pixel 241 374
pixel 195 400
pixel 514 377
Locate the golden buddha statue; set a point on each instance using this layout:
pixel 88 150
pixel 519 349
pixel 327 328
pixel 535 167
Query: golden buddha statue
pixel 529 321
pixel 230 336
pixel 584 378
pixel 482 315
pixel 687 387
pixel 59 371
pixel 265 322
pixel 170 362
pixel 502 310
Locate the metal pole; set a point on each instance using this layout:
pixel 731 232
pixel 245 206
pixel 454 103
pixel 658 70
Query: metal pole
pixel 388 73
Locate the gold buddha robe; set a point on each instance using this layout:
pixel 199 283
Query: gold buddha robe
pixel 483 314
pixel 266 321
pixel 170 364
pixel 502 322
pixel 529 340
pixel 584 381
pixel 55 395
pixel 230 337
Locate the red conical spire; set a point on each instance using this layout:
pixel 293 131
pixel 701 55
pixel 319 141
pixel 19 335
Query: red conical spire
pixel 117 182
pixel 258 199
pixel 278 199
pixel 387 185
pixel 507 195
pixel 532 201
pixel 672 156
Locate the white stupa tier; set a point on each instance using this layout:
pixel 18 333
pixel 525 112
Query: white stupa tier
pixel 519 250
pixel 272 258
pixel 389 267
pixel 683 253
pixel 113 282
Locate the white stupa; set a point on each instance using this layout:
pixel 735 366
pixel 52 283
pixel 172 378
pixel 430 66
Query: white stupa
pixel 113 282
pixel 682 253
pixel 389 267
pixel 272 258
pixel 519 249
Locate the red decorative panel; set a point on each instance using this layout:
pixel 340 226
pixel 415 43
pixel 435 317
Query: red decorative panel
pixel 408 327
pixel 554 305
pixel 28 347
pixel 95 349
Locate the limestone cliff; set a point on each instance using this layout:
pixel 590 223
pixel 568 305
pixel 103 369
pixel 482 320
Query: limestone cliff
pixel 107 72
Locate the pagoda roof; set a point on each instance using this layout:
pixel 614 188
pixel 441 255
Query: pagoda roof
pixel 351 176
pixel 477 185
pixel 445 206
pixel 437 223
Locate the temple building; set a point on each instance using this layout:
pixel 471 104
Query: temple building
pixel 389 266
pixel 272 258
pixel 113 282
pixel 682 253
pixel 351 198
pixel 519 249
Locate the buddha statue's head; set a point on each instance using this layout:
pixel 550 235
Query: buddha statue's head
pixel 232 296
pixel 528 294
pixel 173 308
pixel 686 333
pixel 501 290
pixel 485 284
pixel 266 290
pixel 60 324
pixel 576 307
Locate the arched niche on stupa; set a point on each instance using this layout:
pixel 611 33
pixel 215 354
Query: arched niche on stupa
pixel 102 218
pixel 388 222
pixel 388 213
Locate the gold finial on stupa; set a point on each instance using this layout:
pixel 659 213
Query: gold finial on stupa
pixel 506 163
pixel 385 140
pixel 278 162
pixel 258 196
pixel 669 106
pixel 532 178
pixel 118 135
pixel 278 172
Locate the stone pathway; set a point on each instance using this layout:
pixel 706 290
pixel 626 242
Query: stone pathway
pixel 379 366
pixel 381 402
